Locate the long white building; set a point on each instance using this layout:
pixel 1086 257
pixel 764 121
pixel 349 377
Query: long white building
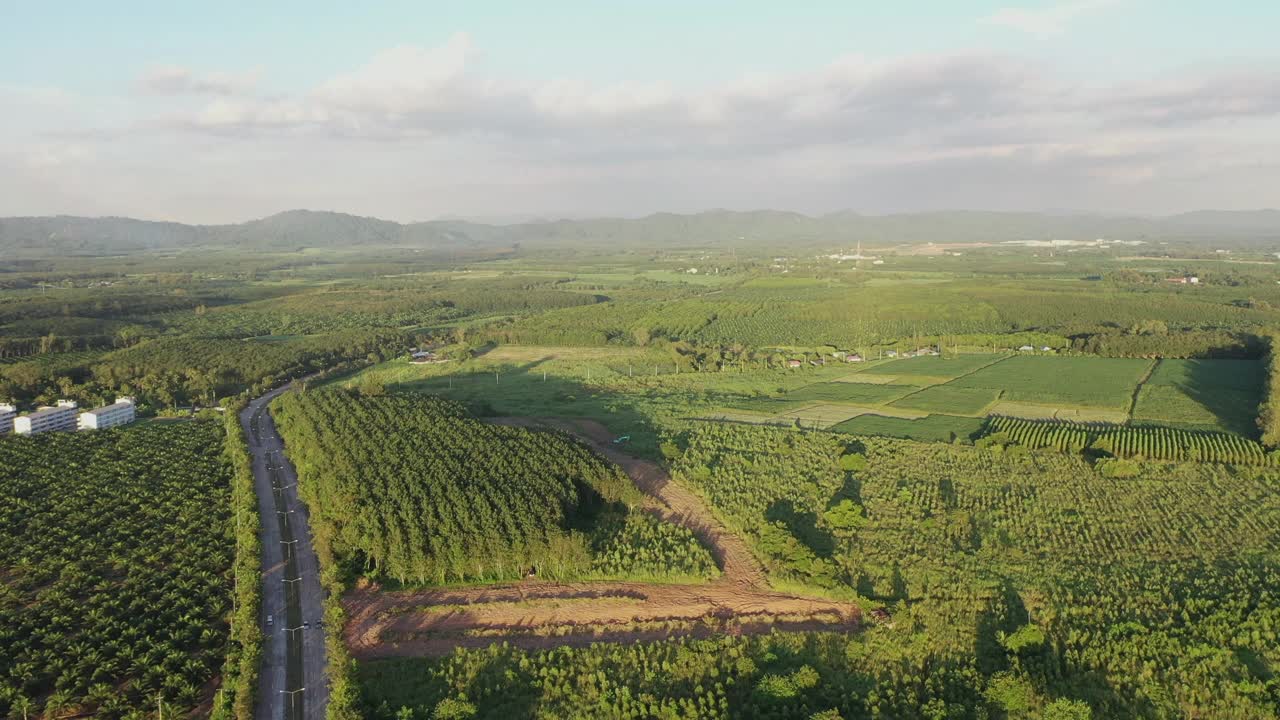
pixel 120 413
pixel 7 413
pixel 47 419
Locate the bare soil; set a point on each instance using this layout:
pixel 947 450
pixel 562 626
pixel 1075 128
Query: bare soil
pixel 536 613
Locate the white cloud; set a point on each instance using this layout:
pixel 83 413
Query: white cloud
pixel 1050 20
pixel 891 133
pixel 178 80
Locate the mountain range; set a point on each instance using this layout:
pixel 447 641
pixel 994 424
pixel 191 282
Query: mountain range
pixel 296 229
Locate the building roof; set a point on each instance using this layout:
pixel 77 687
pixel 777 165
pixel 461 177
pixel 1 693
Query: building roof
pixel 41 412
pixel 107 408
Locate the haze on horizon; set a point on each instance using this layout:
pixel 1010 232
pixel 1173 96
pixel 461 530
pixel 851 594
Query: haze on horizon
pixel 513 110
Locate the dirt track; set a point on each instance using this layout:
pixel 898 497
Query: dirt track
pixel 540 614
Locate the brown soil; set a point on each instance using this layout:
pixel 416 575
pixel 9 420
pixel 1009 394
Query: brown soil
pixel 543 614
pixel 383 624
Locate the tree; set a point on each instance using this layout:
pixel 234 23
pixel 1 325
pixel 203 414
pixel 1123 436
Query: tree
pixel 1064 709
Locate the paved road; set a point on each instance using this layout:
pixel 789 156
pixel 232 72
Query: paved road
pixel 292 660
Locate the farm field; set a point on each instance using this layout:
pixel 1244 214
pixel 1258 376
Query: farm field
pixel 934 427
pixel 1203 394
pixel 1126 441
pixel 114 570
pixel 947 366
pixel 622 389
pixel 1106 383
pixel 949 399
pixel 488 502
pixel 960 540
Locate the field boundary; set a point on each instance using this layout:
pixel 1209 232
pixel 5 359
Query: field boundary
pixel 1142 382
pixel 985 408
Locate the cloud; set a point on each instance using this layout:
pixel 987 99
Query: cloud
pixel 178 80
pixel 415 120
pixel 1050 20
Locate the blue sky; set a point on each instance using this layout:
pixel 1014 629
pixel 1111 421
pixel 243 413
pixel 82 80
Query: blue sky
pixel 412 110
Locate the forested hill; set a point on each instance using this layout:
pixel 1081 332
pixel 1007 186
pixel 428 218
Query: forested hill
pixel 304 228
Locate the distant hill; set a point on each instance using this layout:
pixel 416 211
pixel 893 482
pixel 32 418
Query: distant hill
pixel 755 229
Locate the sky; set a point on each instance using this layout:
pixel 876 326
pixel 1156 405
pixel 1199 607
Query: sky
pixel 222 112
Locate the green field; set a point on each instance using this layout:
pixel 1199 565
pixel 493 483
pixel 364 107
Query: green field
pixel 944 366
pixel 845 392
pixel 936 427
pixel 949 399
pixel 1072 381
pixel 1203 394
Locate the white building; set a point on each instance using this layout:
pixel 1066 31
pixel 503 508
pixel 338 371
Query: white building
pixel 7 413
pixel 47 419
pixel 121 413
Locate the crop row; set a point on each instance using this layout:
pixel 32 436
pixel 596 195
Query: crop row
pixel 1154 443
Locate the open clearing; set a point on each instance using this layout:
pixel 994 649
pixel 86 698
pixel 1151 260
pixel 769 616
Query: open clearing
pixel 535 613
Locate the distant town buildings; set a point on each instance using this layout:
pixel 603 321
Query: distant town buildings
pixel 1185 280
pixel 122 412
pixel 7 413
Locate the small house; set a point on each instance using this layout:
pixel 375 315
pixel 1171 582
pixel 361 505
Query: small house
pixel 426 357
pixel 1026 348
pixel 891 353
pixel 794 363
pixel 1046 348
pixel 853 358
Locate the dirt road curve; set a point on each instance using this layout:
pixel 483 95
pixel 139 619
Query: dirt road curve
pixel 434 622
pixel 275 483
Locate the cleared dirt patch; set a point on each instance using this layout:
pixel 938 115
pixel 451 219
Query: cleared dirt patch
pixel 537 614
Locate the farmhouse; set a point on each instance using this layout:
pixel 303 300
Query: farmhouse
pixel 891 353
pixel 47 419
pixel 1185 280
pixel 794 363
pixel 1026 348
pixel 426 357
pixel 853 358
pixel 122 412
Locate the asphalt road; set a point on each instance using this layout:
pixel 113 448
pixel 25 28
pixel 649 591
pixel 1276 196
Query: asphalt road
pixel 292 684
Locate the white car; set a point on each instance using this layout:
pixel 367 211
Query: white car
pixel 270 620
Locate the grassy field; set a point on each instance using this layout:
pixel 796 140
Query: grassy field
pixel 942 366
pixel 1203 394
pixel 844 392
pixel 637 390
pixel 935 427
pixel 1072 381
pixel 949 399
